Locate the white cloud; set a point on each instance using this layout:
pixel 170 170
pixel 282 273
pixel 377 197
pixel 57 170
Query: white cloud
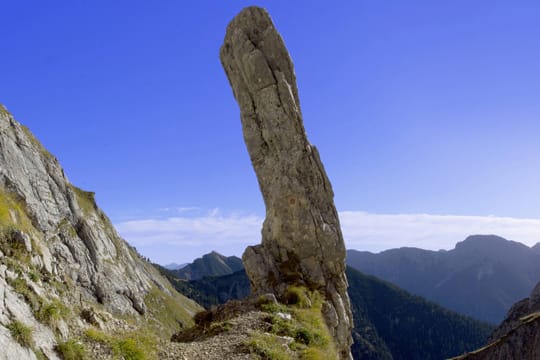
pixel 182 238
pixel 376 232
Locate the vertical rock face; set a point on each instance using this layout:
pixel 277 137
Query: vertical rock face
pixel 301 236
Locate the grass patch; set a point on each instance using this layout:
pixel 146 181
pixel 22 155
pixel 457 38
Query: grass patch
pixel 274 308
pixel 21 287
pixel 85 199
pixel 71 350
pixel 298 296
pixel 312 340
pixel 96 336
pixel 51 313
pixel 21 333
pixel 168 313
pixel 131 346
pixel 13 213
pixel 40 355
pixel 128 349
pixel 220 327
pixel 12 245
pixel 267 347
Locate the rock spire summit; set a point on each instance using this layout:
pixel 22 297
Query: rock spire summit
pixel 302 242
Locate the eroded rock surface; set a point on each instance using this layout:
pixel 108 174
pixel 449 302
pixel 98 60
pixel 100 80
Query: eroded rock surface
pixel 58 246
pixel 301 236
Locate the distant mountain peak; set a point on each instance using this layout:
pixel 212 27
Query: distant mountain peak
pixel 489 243
pixel 494 271
pixel 483 238
pixel 174 266
pixel 211 264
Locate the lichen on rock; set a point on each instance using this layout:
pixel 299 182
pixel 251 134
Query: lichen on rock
pixel 302 242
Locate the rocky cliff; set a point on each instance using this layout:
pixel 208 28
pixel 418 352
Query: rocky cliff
pixel 518 337
pixel 302 242
pixel 63 267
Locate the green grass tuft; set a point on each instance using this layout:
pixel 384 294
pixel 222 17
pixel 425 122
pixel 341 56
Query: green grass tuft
pixel 131 346
pixel 299 296
pixel 52 312
pixel 21 333
pixel 267 347
pixel 129 349
pixel 71 350
pixel 312 340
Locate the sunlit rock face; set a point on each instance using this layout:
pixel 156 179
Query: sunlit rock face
pixel 302 242
pixel 57 246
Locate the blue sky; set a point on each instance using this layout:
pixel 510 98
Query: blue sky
pixel 417 107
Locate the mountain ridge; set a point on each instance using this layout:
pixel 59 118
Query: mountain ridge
pixel 495 271
pixel 211 264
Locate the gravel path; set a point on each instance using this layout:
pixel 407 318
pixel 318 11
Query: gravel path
pixel 227 345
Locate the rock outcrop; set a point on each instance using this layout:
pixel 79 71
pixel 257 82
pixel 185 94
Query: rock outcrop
pixel 57 247
pixel 518 337
pixel 302 242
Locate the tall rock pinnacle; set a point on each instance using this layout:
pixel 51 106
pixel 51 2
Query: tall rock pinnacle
pixel 302 242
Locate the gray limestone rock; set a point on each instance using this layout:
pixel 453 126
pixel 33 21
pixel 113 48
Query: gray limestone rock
pixel 75 236
pixel 68 249
pixel 301 236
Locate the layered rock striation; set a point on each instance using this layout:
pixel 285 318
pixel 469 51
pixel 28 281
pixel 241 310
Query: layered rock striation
pixel 302 242
pixel 58 247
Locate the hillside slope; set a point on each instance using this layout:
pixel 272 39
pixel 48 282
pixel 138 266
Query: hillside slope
pixel 212 264
pixel 63 267
pixel 411 327
pixel 494 271
pixel 389 323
